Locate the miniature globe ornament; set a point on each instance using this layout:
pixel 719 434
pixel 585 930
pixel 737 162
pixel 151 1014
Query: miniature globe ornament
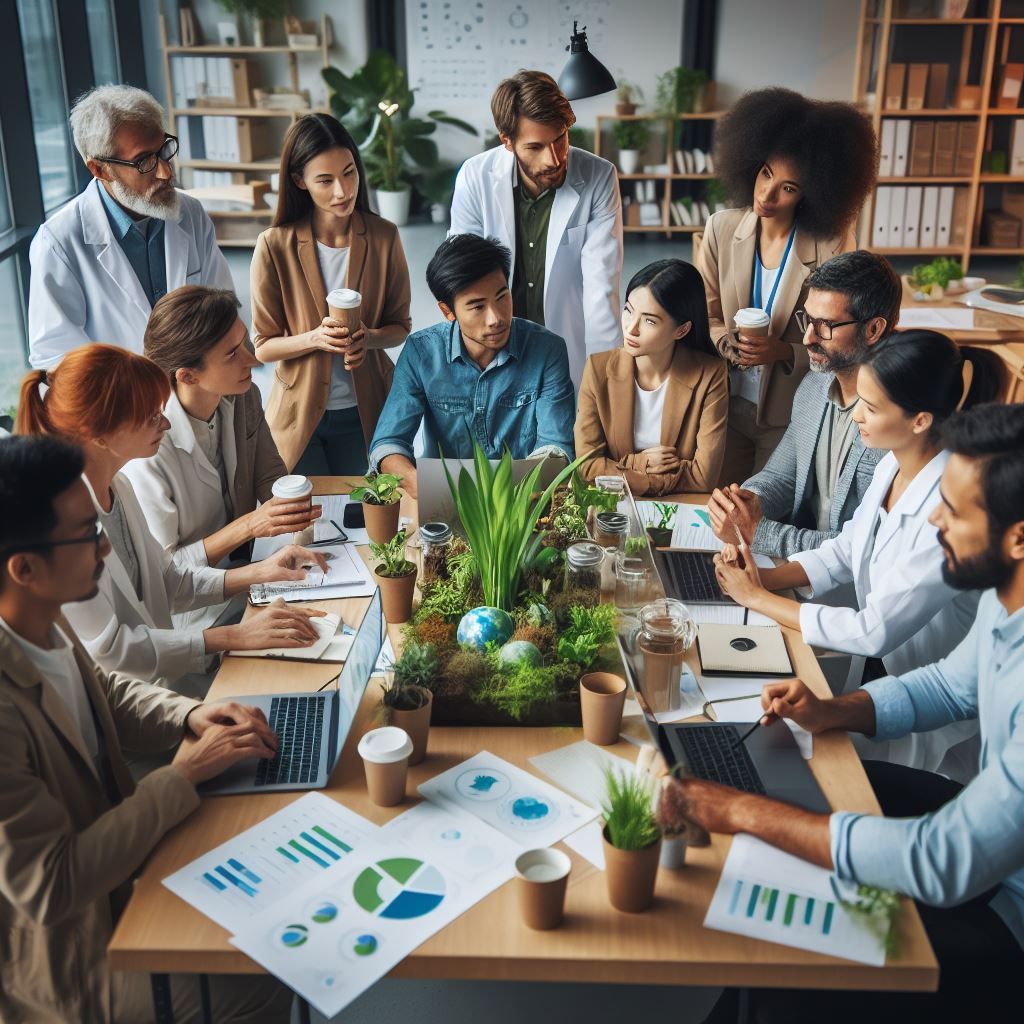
pixel 484 625
pixel 517 652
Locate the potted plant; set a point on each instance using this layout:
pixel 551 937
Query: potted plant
pixel 627 94
pixel 256 12
pixel 678 90
pixel 380 498
pixel 632 841
pixel 407 699
pixel 396 577
pixel 661 534
pixel 630 137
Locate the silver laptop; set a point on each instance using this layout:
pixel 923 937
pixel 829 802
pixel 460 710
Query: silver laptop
pixel 311 728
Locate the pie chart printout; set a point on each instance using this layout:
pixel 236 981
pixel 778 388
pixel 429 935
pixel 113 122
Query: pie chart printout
pixel 399 888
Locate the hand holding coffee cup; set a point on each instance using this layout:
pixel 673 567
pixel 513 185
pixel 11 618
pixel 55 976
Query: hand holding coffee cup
pixel 344 309
pixel 755 346
pixel 297 491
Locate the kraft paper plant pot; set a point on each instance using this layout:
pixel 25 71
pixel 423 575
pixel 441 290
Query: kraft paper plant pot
pixel 417 724
pixel 381 521
pixel 396 594
pixel 630 875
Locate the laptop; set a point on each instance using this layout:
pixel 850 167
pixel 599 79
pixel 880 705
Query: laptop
pixel 689 576
pixel 769 763
pixel 311 727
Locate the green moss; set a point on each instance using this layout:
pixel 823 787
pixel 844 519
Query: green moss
pixel 516 689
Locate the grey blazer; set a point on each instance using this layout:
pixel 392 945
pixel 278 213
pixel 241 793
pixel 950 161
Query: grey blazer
pixel 786 484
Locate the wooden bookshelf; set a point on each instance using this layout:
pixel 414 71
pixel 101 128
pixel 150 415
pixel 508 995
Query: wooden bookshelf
pixel 974 49
pixel 668 126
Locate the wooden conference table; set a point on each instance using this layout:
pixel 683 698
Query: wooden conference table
pixel 160 933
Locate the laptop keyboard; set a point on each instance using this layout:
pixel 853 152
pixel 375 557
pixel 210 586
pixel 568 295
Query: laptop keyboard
pixel 690 576
pixel 712 754
pixel 298 724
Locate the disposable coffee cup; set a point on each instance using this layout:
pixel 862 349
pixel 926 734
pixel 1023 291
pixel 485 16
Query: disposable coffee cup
pixel 602 696
pixel 385 753
pixel 752 322
pixel 541 879
pixel 296 488
pixel 344 304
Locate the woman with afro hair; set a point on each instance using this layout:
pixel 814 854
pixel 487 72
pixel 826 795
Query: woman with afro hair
pixel 796 172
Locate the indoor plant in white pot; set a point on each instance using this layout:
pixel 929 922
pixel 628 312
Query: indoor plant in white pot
pixel 630 137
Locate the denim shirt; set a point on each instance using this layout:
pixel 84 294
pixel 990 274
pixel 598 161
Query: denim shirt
pixel 144 248
pixel 975 841
pixel 523 400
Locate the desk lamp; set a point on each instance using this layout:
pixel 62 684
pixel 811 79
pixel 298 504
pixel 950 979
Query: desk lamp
pixel 583 75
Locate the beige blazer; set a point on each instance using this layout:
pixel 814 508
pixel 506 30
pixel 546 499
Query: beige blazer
pixel 71 838
pixel 289 297
pixel 694 420
pixel 726 261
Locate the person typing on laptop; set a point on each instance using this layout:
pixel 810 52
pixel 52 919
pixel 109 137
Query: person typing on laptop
pixel 74 829
pixel 480 375
pixel 958 851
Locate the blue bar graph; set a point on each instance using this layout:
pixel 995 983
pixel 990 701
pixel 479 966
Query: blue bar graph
pixel 287 853
pixel 234 880
pixel 809 912
pixel 733 903
pixel 215 882
pixel 307 853
pixel 239 866
pixel 322 847
pixel 827 925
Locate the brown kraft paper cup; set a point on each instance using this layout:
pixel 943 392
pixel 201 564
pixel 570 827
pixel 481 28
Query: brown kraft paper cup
pixel 542 897
pixel 385 754
pixel 349 312
pixel 602 696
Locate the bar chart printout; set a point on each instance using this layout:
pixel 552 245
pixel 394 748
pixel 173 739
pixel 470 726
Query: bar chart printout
pixel 764 893
pixel 255 869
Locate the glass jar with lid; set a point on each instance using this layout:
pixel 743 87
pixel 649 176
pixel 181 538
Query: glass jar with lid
pixel 610 529
pixel 583 562
pixel 435 545
pixel 667 631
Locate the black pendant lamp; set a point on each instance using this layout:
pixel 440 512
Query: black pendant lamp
pixel 583 75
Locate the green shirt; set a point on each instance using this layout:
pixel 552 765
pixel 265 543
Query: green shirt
pixel 532 217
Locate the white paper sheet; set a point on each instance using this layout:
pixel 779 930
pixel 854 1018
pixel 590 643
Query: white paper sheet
pixel 691 528
pixel 579 768
pixel 764 893
pixel 344 930
pixel 939 318
pixel 346 576
pixel 330 646
pixel 588 844
pixel 520 805
pixel 262 865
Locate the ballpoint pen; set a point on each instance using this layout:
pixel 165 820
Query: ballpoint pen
pixel 765 719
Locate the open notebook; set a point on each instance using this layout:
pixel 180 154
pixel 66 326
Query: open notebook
pixel 332 645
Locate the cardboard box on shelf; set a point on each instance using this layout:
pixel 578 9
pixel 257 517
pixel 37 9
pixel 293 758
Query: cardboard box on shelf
pixel 917 86
pixel 1013 201
pixel 1001 230
pixel 968 97
pixel 1008 85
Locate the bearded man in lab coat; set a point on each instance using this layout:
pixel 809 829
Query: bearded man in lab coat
pixel 101 262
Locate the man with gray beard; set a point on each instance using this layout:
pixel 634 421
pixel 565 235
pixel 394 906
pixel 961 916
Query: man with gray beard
pixel 101 262
pixel 816 477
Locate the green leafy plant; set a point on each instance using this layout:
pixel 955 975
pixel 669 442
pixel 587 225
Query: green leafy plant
pixel 879 908
pixel 516 689
pixel 635 545
pixel 630 134
pixel 581 138
pixel 588 496
pixel 589 630
pixel 499 519
pixel 414 674
pixel 714 194
pixel 940 271
pixel 678 89
pixel 629 822
pixel 666 514
pixel 393 563
pixel 437 185
pixel 380 489
pixel 628 92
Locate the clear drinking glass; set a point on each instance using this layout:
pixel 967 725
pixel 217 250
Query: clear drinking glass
pixel 632 583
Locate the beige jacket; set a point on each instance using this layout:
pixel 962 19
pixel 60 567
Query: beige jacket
pixel 726 262
pixel 693 422
pixel 71 839
pixel 289 297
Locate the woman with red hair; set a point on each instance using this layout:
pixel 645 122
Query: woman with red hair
pixel 110 401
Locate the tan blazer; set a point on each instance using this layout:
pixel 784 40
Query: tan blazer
pixel 726 261
pixel 289 297
pixel 694 420
pixel 71 838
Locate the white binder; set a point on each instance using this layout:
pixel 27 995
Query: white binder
pixel 887 148
pixel 880 227
pixel 929 216
pixel 897 208
pixel 912 217
pixel 944 221
pixel 901 149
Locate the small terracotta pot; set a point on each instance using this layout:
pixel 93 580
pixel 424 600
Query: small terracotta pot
pixel 625 109
pixel 630 875
pixel 602 696
pixel 396 593
pixel 417 724
pixel 381 521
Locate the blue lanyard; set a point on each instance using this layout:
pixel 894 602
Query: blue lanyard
pixel 756 299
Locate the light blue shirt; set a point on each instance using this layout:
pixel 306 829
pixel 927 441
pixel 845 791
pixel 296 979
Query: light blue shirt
pixel 977 840
pixel 524 399
pixel 143 244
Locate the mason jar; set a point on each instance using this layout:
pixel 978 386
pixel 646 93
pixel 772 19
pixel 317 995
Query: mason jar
pixel 667 630
pixel 435 545
pixel 583 562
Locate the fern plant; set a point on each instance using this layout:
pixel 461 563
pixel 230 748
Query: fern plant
pixel 629 822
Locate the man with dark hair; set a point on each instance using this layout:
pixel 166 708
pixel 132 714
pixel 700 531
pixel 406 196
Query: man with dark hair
pixel 959 852
pixel 816 477
pixel 557 208
pixel 481 375
pixel 74 828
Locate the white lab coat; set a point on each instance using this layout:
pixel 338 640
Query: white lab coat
pixel 137 637
pixel 906 614
pixel 84 289
pixel 583 258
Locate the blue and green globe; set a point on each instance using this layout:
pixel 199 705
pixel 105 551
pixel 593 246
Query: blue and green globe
pixel 484 625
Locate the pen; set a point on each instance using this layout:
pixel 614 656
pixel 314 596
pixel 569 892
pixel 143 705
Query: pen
pixel 750 732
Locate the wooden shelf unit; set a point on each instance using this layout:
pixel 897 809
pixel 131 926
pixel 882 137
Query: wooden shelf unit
pixel 667 227
pixel 987 39
pixel 263 167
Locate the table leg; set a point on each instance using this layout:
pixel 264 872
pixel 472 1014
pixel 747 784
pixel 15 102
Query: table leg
pixel 206 1007
pixel 304 1017
pixel 163 1010
pixel 743 1010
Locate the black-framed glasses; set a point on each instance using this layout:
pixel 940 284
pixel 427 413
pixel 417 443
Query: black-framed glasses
pixel 95 537
pixel 822 328
pixel 146 163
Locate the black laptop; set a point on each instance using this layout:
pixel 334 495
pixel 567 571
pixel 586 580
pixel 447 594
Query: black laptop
pixel 689 576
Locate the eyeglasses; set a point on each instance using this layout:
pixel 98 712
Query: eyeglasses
pixel 822 328
pixel 96 537
pixel 146 163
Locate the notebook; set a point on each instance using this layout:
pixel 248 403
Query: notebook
pixel 742 650
pixel 329 647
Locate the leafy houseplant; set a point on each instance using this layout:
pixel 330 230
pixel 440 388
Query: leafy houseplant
pixel 437 186
pixel 632 841
pixel 396 576
pixel 380 499
pixel 630 137
pixel 627 94
pixel 661 534
pixel 678 89
pixel 939 272
pixel 407 698
pixel 590 630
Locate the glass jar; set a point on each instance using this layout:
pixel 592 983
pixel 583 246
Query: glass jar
pixel 435 544
pixel 611 485
pixel 667 630
pixel 632 583
pixel 583 563
pixel 610 529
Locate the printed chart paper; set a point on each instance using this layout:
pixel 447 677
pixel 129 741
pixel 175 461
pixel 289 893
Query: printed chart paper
pixel 267 862
pixel 767 894
pixel 343 930
pixel 524 808
pixel 691 528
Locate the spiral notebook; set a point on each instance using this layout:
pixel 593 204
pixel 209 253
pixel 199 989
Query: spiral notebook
pixel 742 650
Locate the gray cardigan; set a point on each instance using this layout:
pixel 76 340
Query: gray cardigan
pixel 786 484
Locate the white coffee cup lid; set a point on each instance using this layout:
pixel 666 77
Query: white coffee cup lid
pixel 294 486
pixel 344 298
pixel 385 745
pixel 751 316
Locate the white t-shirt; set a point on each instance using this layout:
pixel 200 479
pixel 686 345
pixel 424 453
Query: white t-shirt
pixel 747 382
pixel 334 268
pixel 647 413
pixel 60 670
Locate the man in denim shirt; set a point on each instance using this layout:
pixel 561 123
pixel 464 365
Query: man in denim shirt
pixel 482 375
pixel 958 852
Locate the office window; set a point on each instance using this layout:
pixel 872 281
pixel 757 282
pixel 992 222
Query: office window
pixel 102 42
pixel 13 362
pixel 47 100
